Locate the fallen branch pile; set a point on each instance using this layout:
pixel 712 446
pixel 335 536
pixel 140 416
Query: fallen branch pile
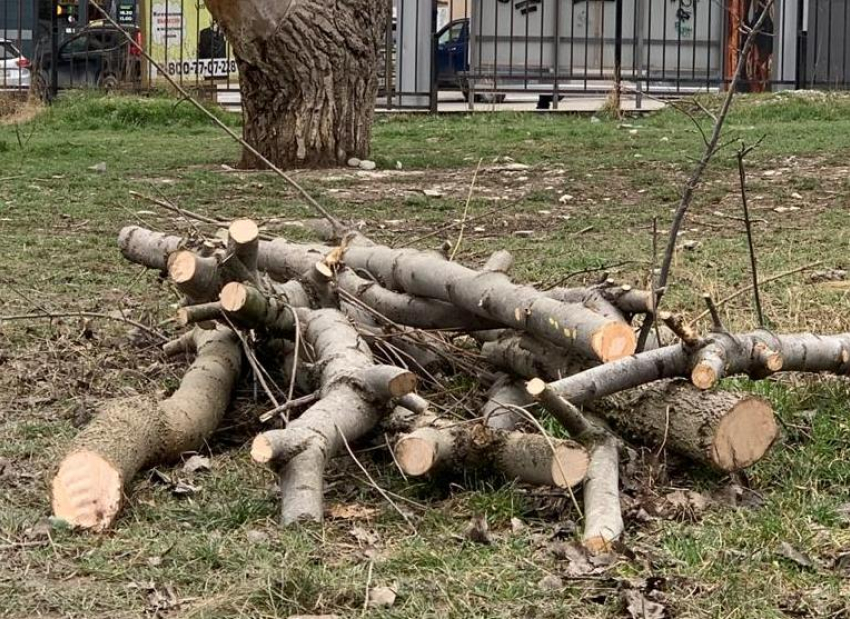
pixel 358 326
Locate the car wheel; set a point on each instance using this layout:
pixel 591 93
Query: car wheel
pixel 489 97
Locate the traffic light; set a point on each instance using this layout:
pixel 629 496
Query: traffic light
pixel 68 9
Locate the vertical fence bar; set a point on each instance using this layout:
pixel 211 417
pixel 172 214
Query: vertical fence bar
pixel 618 51
pixel 433 88
pixel 54 49
pixel 829 44
pixel 664 43
pixel 708 50
pixel 602 42
pixel 389 54
pixel 556 60
pixel 572 40
pixel 511 41
pixel 815 49
pixel 213 49
pixel 639 72
pixel 844 46
pixel 151 27
pixel 525 52
pixel 648 66
pixel 495 51
pixel 586 38
pixel 694 42
pixel 679 49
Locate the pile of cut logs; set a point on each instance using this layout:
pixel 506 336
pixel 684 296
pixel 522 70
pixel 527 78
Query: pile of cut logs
pixel 355 327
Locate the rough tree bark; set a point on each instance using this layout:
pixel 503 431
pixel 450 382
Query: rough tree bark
pixel 307 75
pixel 132 433
pixel 726 431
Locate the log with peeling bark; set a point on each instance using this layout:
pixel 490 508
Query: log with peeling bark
pixel 353 395
pixel 132 433
pixel 531 458
pixel 726 431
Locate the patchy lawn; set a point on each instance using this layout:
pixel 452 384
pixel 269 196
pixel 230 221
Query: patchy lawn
pixel 571 198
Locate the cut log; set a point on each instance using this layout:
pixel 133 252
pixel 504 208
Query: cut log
pixel 530 458
pixel 603 519
pixel 132 433
pixel 243 241
pixel 625 298
pixel 489 295
pixel 528 357
pixel 346 409
pixel 201 313
pixel 248 306
pixel 757 354
pixel 591 298
pixel 147 247
pixel 724 430
pixel 406 309
pixel 499 261
pixel 503 400
pixel 493 296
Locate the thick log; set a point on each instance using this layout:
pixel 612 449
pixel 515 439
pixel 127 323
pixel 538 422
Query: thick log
pixel 132 433
pixel 530 458
pixel 248 306
pixel 590 298
pixel 347 408
pixel 724 430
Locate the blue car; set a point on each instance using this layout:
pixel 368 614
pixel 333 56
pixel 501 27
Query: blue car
pixel 452 54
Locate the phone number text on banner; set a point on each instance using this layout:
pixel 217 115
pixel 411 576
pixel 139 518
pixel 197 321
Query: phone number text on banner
pixel 212 67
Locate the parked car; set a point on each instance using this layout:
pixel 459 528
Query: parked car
pixel 452 54
pixel 98 56
pixel 14 68
pixel 453 61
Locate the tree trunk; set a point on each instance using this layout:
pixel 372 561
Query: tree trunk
pixel 307 75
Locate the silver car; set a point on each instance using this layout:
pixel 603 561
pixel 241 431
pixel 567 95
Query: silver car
pixel 14 68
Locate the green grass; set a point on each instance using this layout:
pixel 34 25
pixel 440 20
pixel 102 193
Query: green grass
pixel 219 553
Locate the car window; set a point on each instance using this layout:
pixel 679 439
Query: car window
pixel 452 33
pixel 82 45
pixel 7 52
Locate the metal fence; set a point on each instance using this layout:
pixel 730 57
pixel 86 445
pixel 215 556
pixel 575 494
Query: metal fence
pixel 442 53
